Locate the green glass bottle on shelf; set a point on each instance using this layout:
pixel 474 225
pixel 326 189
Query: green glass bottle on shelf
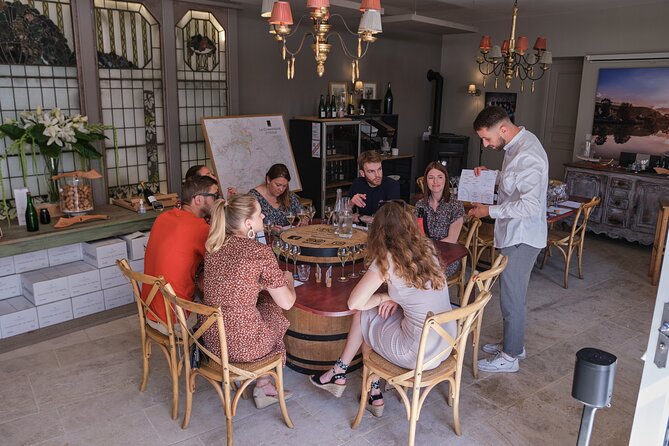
pixel 388 101
pixel 328 110
pixel 350 109
pixel 321 108
pixel 333 107
pixel 32 222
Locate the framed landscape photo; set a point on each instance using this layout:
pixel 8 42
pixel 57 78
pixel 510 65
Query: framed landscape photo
pixel 369 90
pixel 338 89
pixel 505 100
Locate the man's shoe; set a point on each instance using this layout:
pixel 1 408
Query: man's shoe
pixel 494 349
pixel 500 363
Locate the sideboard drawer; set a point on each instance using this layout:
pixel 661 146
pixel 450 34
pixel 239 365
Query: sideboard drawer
pixel 621 183
pixel 616 217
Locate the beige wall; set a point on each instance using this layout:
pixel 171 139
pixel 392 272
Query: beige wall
pixel 613 31
pixel 402 60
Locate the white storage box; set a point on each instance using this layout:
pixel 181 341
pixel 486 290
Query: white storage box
pixel 54 313
pixel 105 252
pixel 82 278
pixel 136 244
pixel 88 304
pixel 117 296
pixel 17 316
pixel 111 277
pixel 31 261
pixel 45 286
pixel 64 254
pixel 137 265
pixel 10 286
pixel 7 266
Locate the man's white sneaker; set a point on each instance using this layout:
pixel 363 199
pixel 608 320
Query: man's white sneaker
pixel 500 363
pixel 493 349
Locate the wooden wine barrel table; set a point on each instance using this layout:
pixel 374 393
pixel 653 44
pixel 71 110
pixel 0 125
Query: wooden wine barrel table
pixel 319 243
pixel 320 319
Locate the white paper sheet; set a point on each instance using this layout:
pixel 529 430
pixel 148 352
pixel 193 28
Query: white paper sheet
pixel 570 204
pixel 557 211
pixel 477 189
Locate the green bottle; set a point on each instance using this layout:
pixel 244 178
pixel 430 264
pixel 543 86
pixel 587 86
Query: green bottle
pixel 32 222
pixel 321 108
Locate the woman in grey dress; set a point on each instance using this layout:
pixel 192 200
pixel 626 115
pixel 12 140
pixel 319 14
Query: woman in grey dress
pixel 391 323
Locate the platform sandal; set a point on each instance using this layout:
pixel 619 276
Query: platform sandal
pixel 377 411
pixel 331 386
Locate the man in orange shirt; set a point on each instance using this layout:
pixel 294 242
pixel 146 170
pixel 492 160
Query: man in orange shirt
pixel 176 245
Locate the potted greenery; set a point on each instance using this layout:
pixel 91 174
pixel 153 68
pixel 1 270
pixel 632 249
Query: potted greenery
pixel 49 133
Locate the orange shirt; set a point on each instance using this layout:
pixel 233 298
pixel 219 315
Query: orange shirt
pixel 175 251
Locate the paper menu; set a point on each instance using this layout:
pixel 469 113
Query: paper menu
pixel 477 189
pixel 570 204
pixel 557 210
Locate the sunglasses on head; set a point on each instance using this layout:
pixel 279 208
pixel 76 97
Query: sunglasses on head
pixel 209 194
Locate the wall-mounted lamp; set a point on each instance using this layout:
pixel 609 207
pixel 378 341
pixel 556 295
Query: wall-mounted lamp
pixel 357 87
pixel 472 90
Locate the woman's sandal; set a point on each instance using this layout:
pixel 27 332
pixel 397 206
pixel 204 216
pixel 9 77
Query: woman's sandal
pixel 331 386
pixel 262 400
pixel 377 411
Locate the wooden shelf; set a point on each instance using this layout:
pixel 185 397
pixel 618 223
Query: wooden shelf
pixel 337 184
pixel 334 158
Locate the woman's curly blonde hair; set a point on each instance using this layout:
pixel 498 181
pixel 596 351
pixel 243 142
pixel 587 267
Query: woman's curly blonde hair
pixel 395 232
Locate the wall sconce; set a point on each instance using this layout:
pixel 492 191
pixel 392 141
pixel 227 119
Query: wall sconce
pixel 472 90
pixel 357 88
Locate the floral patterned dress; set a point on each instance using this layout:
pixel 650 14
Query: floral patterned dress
pixel 233 277
pixel 439 222
pixel 277 216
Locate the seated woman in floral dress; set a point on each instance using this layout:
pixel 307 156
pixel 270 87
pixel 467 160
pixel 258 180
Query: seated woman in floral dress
pixel 443 212
pixel 275 198
pixel 391 323
pixel 236 269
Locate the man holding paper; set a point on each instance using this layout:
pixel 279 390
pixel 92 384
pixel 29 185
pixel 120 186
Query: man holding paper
pixel 520 226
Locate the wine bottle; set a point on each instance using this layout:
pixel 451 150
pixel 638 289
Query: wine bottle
pixel 341 171
pixel 321 108
pixel 333 107
pixel 388 101
pixel 150 198
pixel 328 109
pixel 350 109
pixel 32 223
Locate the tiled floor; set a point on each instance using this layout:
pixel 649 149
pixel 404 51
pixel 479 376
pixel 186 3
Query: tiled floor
pixel 82 388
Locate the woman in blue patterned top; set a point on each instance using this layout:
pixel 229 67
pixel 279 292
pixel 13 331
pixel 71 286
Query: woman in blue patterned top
pixel 276 199
pixel 442 210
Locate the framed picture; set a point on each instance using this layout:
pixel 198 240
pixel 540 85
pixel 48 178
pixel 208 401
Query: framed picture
pixel 338 89
pixel 505 100
pixel 369 90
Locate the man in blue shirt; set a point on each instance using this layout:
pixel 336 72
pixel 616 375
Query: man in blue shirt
pixel 371 187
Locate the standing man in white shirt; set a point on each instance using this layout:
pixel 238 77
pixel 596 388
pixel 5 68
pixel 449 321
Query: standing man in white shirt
pixel 520 226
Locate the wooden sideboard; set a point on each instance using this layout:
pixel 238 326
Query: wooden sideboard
pixel 630 201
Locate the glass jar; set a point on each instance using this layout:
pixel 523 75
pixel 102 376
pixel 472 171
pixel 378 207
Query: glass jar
pixel 76 195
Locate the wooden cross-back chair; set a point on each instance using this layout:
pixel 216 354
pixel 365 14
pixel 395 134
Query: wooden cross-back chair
pixel 450 362
pixel 149 335
pixel 483 282
pixel 216 369
pixel 484 240
pixel 467 240
pixel 569 241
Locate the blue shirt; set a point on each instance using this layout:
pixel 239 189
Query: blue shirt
pixel 389 189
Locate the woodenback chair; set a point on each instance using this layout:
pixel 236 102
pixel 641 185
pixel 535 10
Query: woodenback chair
pixel 216 369
pixel 569 241
pixel 484 240
pixel 149 335
pixel 420 182
pixel 467 240
pixel 419 378
pixel 483 282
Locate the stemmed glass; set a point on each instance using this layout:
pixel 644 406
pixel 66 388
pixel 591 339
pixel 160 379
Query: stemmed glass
pixel 328 214
pixel 277 247
pixel 290 216
pixel 362 247
pixel 343 253
pixel 267 229
pixel 312 212
pixel 285 250
pixel 454 182
pixel 294 252
pixel 355 249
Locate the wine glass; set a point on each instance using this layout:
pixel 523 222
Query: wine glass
pixel 290 216
pixel 267 229
pixel 312 212
pixel 363 248
pixel 328 214
pixel 355 249
pixel 277 247
pixel 302 215
pixel 285 249
pixel 294 252
pixel 342 253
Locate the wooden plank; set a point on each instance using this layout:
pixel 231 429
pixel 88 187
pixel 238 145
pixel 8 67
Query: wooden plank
pixel 17 240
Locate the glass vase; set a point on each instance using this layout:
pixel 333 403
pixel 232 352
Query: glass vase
pixel 51 168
